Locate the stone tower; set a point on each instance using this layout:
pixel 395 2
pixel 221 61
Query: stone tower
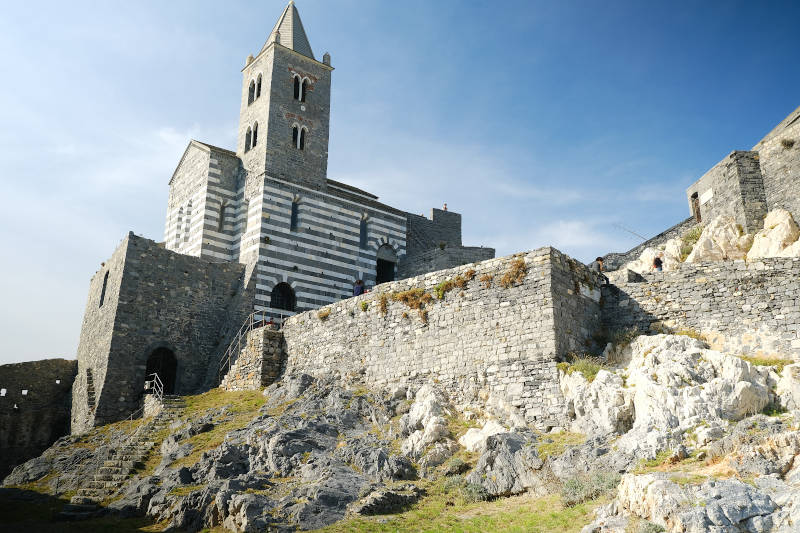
pixel 285 107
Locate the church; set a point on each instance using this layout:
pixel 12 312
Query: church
pixel 257 229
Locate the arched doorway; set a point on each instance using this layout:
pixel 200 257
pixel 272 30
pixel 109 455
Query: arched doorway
pixel 384 268
pixel 283 297
pixel 162 362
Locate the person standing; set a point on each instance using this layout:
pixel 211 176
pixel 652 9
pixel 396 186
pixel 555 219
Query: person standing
pixel 358 288
pixel 658 264
pixel 597 266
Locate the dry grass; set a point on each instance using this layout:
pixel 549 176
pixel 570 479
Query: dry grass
pixel 323 314
pixel 486 280
pixel 558 442
pixel 775 362
pixel 515 274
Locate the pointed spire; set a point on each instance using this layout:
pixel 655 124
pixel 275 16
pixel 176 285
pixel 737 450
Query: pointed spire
pixel 290 32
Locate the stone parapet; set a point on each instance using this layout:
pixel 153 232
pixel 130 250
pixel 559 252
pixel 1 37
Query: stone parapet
pixel 258 363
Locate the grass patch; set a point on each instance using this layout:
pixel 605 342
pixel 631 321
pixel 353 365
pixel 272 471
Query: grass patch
pixel 690 332
pixel 688 240
pixel 584 488
pixel 185 490
pixel 364 306
pixel 515 274
pixel 486 280
pixel 773 409
pixel 588 366
pixel 775 362
pixel 243 406
pixel 453 506
pixel 458 282
pixel 383 304
pixel 554 444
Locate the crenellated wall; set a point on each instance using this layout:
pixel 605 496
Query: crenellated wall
pixel 478 340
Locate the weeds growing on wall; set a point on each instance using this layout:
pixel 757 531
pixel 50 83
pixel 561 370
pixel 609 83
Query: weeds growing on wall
pixel 515 274
pixel 323 314
pixel 383 304
pixel 787 143
pixel 486 280
pixel 414 299
pixel 364 306
pixel 458 282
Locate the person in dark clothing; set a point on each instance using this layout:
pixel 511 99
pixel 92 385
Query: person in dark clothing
pixel 658 264
pixel 358 288
pixel 597 266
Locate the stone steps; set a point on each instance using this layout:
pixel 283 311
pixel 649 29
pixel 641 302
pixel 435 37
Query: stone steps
pixel 114 472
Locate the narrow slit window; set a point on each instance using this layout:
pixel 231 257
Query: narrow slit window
pixel 258 86
pixel 301 143
pixel 362 239
pixel 255 135
pixel 303 89
pixel 296 88
pixel 251 92
pixel 247 139
pixel 221 223
pixel 295 135
pixel 294 217
pixel 103 290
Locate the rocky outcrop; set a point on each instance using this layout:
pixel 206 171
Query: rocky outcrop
pixel 779 238
pixel 669 252
pixel 722 239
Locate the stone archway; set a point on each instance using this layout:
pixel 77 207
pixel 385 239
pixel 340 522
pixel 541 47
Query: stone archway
pixel 162 361
pixel 283 297
pixel 386 262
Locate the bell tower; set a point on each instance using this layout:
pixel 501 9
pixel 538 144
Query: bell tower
pixel 285 109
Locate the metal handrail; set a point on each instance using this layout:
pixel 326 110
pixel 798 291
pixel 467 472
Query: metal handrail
pixel 256 319
pixel 157 386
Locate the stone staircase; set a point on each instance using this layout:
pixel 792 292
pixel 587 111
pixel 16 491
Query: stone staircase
pixel 120 463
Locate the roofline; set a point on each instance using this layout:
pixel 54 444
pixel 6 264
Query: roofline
pixel 273 44
pixel 202 146
pixel 350 188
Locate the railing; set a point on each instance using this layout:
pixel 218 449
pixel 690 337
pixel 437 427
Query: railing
pixel 156 385
pixel 257 319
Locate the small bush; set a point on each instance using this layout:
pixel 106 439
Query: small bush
pixel 787 143
pixel 486 280
pixel 623 337
pixel 515 274
pixel 472 492
pixel 587 365
pixel 584 488
pixel 364 306
pixel 323 314
pixel 689 239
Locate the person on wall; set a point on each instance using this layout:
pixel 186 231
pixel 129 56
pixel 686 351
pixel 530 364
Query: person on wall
pixel 597 266
pixel 358 288
pixel 658 264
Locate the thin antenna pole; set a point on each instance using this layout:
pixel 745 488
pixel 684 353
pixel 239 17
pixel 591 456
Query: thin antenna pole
pixel 623 228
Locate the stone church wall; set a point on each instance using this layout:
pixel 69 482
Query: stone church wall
pixel 34 408
pixel 752 308
pixel 441 259
pixel 482 339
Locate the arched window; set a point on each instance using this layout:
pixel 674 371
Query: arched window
pixel 247 139
pixel 283 297
pixel 187 222
pixel 295 135
pixel 178 228
pixel 258 86
pixel 255 135
pixel 303 89
pixel 296 87
pixel 362 239
pixel 221 222
pixel 251 92
pixel 103 291
pixel 294 216
pixel 301 142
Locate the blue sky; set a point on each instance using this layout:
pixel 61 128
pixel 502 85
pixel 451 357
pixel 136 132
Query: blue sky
pixel 542 122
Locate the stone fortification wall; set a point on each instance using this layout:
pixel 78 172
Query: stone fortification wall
pixel 34 408
pixel 259 362
pixel 734 187
pixel 441 259
pixel 425 233
pixel 779 155
pixel 479 340
pixel 614 261
pixel 155 299
pixel 750 308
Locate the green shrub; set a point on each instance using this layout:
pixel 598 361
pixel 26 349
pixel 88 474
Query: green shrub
pixel 364 306
pixel 689 239
pixel 584 488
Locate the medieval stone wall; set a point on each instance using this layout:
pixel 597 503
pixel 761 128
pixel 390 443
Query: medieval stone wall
pixel 752 308
pixel 426 233
pixel 780 164
pixel 480 339
pixel 734 187
pixel 259 362
pixel 613 261
pixel 34 408
pixel 161 299
pixel 441 259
